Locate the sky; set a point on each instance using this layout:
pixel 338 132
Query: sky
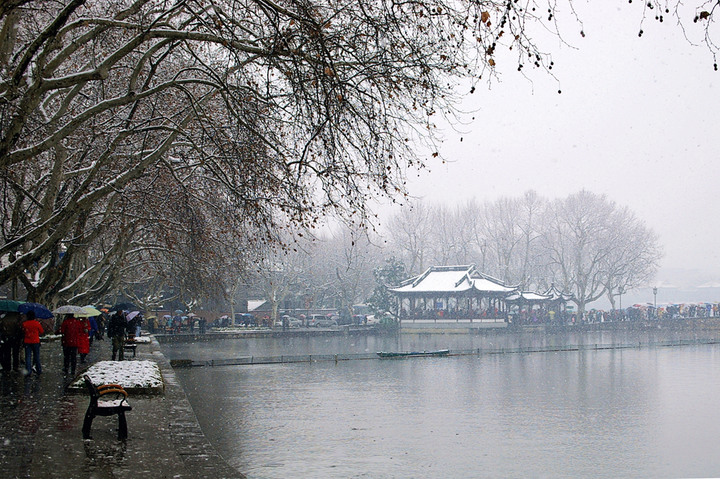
pixel 636 120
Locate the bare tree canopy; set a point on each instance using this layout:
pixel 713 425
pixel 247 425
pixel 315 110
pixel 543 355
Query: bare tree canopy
pixel 284 111
pixel 594 247
pixel 265 114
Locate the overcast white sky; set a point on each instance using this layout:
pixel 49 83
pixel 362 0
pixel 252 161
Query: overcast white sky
pixel 636 120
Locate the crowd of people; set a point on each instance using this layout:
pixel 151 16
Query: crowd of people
pixel 177 323
pixel 633 313
pixel 22 331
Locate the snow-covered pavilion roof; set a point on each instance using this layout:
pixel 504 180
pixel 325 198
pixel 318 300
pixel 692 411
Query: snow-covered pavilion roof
pixel 557 295
pixel 452 280
pixel 528 296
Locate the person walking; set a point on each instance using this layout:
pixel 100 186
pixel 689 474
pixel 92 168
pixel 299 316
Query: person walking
pixel 11 338
pixel 138 325
pixel 84 339
pixel 32 329
pixel 94 329
pixel 116 330
pixel 71 330
pixel 102 321
pixel 202 323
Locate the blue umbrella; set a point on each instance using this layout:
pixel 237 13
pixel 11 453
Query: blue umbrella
pixel 41 312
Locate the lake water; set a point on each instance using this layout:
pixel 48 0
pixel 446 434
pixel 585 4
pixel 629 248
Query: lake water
pixel 641 412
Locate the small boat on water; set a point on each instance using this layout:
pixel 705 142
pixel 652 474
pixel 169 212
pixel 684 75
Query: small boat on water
pixel 413 354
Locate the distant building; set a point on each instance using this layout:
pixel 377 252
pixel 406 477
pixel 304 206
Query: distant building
pixel 463 297
pixel 453 295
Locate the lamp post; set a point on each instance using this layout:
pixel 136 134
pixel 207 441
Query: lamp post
pixel 655 299
pixel 621 290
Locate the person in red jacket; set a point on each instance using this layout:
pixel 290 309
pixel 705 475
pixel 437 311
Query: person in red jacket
pixel 84 340
pixel 71 329
pixel 32 329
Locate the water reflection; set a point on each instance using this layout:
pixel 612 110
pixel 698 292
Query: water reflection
pixel 607 413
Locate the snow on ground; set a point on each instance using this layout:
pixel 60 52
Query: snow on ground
pixel 128 374
pixel 142 339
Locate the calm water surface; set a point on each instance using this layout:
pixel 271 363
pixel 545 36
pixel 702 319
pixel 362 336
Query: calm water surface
pixel 645 412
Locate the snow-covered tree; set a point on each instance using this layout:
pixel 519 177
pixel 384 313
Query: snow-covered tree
pixel 594 246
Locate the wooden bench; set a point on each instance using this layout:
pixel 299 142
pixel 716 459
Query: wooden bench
pixel 130 347
pixel 110 406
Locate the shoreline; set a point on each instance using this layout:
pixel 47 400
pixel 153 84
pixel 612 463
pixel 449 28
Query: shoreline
pixel 447 328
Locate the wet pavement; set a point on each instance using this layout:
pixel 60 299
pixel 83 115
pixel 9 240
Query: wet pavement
pixel 41 437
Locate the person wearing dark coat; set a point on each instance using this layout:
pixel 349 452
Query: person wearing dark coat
pixel 116 330
pixel 11 341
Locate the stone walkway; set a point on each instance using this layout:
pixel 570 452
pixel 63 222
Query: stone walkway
pixel 40 428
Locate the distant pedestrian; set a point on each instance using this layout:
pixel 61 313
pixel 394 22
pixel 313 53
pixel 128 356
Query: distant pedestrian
pixel 116 331
pixel 101 323
pixel 138 325
pixel 177 322
pixel 32 329
pixel 11 339
pixel 84 340
pixel 94 329
pixel 71 330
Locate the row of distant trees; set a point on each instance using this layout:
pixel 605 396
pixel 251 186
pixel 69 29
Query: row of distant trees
pixel 584 244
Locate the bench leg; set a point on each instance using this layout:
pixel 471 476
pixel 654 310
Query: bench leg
pixel 87 424
pixel 122 426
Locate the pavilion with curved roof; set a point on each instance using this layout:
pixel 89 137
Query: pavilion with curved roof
pixel 453 294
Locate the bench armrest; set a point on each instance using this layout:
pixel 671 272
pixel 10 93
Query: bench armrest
pixel 113 391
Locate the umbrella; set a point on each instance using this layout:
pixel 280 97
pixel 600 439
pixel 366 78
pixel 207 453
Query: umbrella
pixel 124 307
pixel 191 315
pixel 9 306
pixel 41 312
pixel 132 315
pixel 69 309
pixel 89 310
pixel 225 316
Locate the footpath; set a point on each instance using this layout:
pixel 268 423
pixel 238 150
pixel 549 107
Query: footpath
pixel 41 437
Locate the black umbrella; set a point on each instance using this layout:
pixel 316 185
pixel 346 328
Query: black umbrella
pixel 124 307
